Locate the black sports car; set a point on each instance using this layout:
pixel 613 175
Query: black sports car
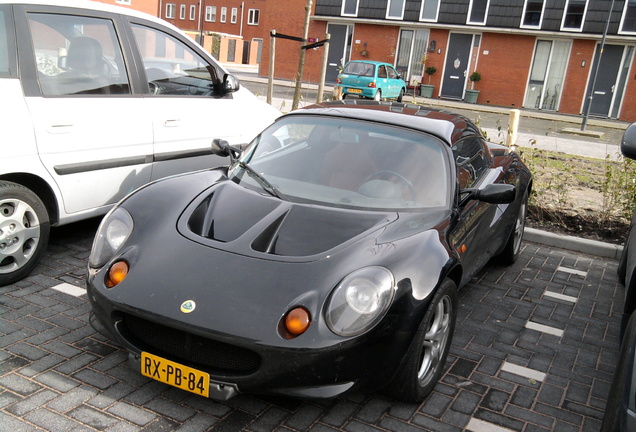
pixel 325 258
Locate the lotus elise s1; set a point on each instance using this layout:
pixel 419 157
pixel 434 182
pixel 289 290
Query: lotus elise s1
pixel 324 259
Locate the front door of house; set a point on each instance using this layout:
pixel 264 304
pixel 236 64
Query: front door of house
pixel 456 66
pixel 605 88
pixel 339 48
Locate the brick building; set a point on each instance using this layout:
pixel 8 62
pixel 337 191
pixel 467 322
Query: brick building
pixel 533 54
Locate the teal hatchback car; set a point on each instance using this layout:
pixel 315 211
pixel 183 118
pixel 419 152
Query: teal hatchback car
pixel 372 80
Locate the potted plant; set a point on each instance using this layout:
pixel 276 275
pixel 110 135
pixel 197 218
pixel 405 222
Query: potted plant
pixel 472 94
pixel 426 90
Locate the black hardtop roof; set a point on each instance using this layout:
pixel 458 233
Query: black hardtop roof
pixel 443 124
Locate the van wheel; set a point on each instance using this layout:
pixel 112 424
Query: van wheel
pixel 24 231
pixel 401 96
pixel 378 96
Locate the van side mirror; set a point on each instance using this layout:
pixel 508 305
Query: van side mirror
pixel 230 83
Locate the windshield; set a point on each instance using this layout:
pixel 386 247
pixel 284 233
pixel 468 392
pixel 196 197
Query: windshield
pixel 360 69
pixel 347 163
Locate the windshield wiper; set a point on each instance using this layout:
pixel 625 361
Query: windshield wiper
pixel 265 184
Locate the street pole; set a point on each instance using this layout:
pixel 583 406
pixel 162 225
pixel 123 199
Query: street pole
pixel 588 102
pixel 323 69
pixel 272 56
pixel 301 61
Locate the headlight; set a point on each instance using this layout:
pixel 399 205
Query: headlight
pixel 112 233
pixel 360 301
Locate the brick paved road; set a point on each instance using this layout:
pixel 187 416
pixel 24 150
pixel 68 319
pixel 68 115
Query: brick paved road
pixel 534 350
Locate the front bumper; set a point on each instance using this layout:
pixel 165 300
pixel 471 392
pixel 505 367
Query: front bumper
pixel 367 362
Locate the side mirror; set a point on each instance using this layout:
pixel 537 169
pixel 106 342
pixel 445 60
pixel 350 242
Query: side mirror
pixel 493 194
pixel 230 83
pixel 628 145
pixel 221 147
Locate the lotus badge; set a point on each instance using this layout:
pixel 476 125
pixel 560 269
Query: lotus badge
pixel 188 306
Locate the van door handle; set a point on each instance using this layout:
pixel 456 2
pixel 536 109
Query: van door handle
pixel 172 123
pixel 60 128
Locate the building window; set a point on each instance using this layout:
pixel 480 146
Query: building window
pixel 395 9
pixel 478 11
pixel 349 8
pixel 628 21
pixel 123 2
pixel 234 16
pixel 210 13
pixel 574 15
pixel 193 12
pixel 532 14
pixel 253 16
pixel 223 14
pixel 547 75
pixel 430 10
pixel 182 12
pixel 170 9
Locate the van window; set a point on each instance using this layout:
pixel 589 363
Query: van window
pixel 7 47
pixel 173 68
pixel 77 55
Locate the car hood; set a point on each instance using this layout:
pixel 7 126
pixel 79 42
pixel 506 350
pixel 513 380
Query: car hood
pixel 246 258
pixel 246 222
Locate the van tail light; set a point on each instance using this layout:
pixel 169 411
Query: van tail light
pixel 372 84
pixel 338 81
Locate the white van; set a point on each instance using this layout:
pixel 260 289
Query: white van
pixel 95 101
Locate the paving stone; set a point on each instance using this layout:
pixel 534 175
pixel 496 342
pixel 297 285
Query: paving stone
pixel 170 409
pixel 92 417
pixel 132 413
pixel 31 403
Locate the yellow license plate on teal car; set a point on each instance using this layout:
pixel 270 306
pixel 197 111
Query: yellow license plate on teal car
pixel 354 90
pixel 175 374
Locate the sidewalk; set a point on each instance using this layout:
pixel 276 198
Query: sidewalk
pixel 541 129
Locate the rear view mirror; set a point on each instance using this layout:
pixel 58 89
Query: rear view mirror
pixel 628 145
pixel 492 194
pixel 221 147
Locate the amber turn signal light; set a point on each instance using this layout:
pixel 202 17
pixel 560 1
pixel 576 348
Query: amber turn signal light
pixel 297 321
pixel 116 273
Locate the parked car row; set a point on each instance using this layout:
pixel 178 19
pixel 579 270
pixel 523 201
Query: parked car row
pixel 97 101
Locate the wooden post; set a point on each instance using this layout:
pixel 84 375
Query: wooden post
pixel 301 60
pixel 323 70
pixel 513 126
pixel 272 55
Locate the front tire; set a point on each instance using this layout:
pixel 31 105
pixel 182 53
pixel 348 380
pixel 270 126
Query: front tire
pixel 511 251
pixel 401 95
pixel 426 356
pixel 24 231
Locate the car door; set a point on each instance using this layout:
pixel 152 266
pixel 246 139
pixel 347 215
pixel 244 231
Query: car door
pixel 478 234
pixel 186 103
pixel 395 81
pixel 93 136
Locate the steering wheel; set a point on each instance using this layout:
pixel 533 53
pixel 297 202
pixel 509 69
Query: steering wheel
pixel 400 177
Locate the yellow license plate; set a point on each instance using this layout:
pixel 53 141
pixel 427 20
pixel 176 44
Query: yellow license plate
pixel 354 90
pixel 175 374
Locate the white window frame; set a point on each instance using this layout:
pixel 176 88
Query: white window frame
pixel 620 27
pixel 470 11
pixel 193 12
pixel 253 17
pixel 342 10
pixel 234 15
pixel 572 29
pixel 436 12
pixel 523 16
pixel 388 9
pixel 170 10
pixel 182 10
pixel 210 13
pixel 223 14
pixel 123 2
